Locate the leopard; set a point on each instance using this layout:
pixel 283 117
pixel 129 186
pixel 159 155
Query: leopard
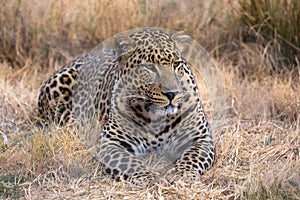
pixel 145 94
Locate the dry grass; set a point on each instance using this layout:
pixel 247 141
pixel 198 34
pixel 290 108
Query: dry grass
pixel 278 23
pixel 258 147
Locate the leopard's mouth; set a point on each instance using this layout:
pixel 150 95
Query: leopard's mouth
pixel 159 109
pixel 166 110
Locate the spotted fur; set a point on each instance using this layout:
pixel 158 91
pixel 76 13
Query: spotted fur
pixel 148 101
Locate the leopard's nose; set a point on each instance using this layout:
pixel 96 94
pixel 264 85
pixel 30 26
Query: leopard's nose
pixel 170 95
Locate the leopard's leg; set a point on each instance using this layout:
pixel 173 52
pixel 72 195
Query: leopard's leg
pixel 194 161
pixel 119 162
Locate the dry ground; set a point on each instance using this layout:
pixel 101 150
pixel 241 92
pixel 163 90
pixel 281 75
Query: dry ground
pixel 258 145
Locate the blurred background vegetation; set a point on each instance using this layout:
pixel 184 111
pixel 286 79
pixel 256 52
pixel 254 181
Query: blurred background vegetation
pixel 52 32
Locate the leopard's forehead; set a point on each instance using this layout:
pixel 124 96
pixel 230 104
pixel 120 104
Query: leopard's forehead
pixel 152 46
pixel 153 39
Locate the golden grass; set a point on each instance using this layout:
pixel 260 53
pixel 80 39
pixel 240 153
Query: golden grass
pixel 258 146
pixel 50 32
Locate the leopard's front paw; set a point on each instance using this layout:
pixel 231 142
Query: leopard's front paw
pixel 172 175
pixel 144 179
pixel 180 174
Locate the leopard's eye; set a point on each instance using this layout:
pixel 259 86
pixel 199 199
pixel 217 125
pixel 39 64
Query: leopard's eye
pixel 176 64
pixel 147 73
pixel 179 71
pixel 178 67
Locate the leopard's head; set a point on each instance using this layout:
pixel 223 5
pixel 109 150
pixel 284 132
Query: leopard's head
pixel 155 80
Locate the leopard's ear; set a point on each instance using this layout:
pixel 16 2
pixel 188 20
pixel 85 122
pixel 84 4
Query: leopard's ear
pixel 180 39
pixel 121 44
pixel 192 51
pixel 123 47
pixel 189 48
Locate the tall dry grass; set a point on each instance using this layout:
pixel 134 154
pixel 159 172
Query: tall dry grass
pixel 277 25
pixel 258 148
pixel 50 32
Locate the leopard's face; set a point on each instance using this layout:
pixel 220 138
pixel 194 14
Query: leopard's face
pixel 153 85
